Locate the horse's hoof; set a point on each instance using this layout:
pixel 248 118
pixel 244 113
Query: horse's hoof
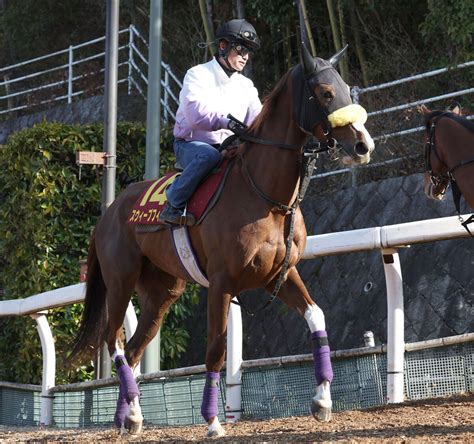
pixel 133 425
pixel 321 410
pixel 216 433
pixel 215 429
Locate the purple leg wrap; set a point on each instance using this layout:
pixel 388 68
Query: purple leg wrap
pixel 209 397
pixel 122 408
pixel 127 381
pixel 322 357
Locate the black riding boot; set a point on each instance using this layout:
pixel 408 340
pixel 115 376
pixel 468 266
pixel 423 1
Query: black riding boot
pixel 176 216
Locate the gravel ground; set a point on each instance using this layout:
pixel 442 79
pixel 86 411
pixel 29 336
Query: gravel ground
pixel 449 420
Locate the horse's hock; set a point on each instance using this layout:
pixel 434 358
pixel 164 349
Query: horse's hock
pixel 438 283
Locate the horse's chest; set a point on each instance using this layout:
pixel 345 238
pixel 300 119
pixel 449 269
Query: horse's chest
pixel 269 255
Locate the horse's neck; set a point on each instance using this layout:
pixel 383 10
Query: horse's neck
pixel 276 171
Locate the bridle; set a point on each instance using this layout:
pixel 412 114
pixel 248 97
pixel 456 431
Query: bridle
pixel 444 179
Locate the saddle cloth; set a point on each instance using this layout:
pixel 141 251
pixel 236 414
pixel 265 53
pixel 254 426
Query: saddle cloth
pixel 147 209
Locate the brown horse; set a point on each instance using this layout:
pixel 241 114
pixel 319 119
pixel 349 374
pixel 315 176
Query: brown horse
pixel 241 244
pixel 449 155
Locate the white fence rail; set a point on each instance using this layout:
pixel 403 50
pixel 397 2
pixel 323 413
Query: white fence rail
pixel 36 306
pixel 386 239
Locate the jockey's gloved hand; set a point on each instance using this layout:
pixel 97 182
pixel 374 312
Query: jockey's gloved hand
pixel 237 128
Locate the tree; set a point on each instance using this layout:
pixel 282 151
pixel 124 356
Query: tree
pixel 448 29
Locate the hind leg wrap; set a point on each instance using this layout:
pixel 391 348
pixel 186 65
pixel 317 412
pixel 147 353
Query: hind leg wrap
pixel 209 408
pixel 128 389
pixel 122 408
pixel 127 380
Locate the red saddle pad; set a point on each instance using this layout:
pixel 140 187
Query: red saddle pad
pixel 147 209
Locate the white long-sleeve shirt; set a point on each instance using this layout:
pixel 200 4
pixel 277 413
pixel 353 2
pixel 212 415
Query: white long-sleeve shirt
pixel 207 97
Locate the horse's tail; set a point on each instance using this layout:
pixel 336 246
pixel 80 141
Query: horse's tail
pixel 91 333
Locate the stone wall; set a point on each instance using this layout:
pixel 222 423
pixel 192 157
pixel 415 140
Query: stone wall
pixel 438 277
pixel 87 111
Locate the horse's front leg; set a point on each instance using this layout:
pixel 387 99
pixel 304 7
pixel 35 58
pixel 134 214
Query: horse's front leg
pixel 217 312
pixel 294 293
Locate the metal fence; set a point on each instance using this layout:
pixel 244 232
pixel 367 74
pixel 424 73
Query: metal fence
pixel 77 72
pixel 271 388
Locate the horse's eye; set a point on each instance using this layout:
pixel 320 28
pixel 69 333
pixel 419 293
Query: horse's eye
pixel 327 95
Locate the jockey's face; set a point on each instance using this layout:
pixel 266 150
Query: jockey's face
pixel 238 56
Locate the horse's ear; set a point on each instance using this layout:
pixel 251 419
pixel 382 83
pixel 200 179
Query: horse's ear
pixel 334 60
pixel 422 109
pixel 455 108
pixel 308 61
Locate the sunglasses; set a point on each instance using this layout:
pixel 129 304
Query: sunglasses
pixel 242 50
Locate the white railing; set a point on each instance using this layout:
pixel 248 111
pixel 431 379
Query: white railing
pixel 386 239
pixel 37 307
pixel 78 71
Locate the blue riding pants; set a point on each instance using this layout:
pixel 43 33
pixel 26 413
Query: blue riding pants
pixel 198 159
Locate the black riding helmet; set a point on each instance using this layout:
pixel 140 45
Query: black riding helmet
pixel 237 31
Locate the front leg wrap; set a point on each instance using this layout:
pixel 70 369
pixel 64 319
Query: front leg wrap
pixel 322 357
pixel 209 408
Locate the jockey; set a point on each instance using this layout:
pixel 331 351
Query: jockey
pixel 210 92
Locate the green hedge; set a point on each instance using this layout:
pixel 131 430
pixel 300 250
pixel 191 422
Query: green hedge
pixel 47 214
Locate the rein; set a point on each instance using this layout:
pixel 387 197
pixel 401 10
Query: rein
pixel 306 170
pixel 437 179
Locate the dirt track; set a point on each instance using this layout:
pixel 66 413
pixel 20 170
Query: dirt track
pixel 437 420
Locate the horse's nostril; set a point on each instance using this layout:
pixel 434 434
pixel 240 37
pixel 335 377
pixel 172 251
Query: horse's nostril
pixel 332 143
pixel 361 149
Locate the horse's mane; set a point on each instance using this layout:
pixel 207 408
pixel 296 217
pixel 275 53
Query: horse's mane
pixel 456 117
pixel 269 102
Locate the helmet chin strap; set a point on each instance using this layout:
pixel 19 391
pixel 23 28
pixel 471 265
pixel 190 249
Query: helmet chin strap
pixel 228 65
pixel 223 53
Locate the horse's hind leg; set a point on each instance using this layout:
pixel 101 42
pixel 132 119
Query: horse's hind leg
pixel 157 291
pixel 294 293
pixel 128 409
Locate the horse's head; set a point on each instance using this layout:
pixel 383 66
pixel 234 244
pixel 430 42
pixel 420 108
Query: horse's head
pixel 436 178
pixel 323 107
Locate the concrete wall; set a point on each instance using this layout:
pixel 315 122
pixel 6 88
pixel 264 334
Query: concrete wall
pixel 87 111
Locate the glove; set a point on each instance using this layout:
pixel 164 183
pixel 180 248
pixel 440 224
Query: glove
pixel 236 127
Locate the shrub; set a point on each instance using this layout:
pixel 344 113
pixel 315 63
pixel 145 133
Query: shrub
pixel 47 213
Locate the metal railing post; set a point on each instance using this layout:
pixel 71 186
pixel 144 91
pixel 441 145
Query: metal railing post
pixel 166 96
pixel 70 75
pixel 130 58
pixel 355 94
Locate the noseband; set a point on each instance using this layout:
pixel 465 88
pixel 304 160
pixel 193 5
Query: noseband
pixel 438 180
